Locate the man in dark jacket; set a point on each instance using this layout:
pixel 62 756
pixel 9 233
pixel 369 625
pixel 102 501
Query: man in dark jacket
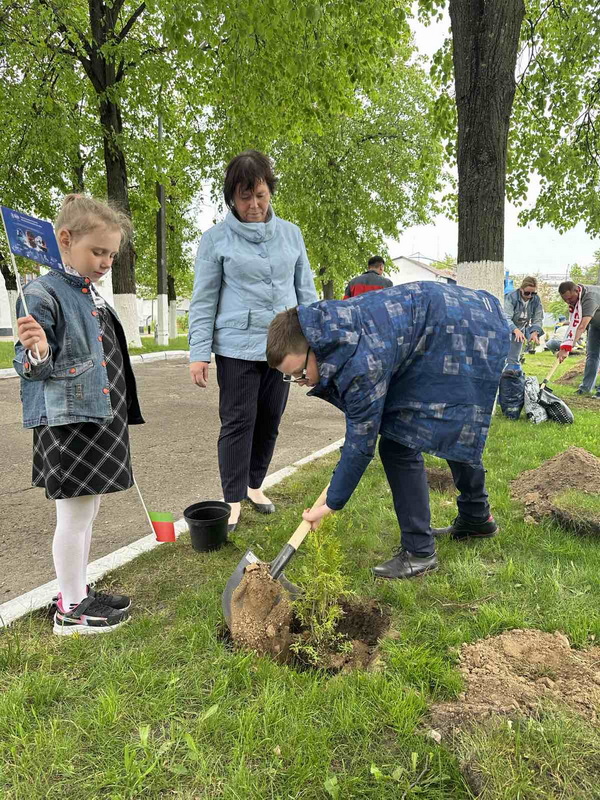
pixel 370 280
pixel 418 365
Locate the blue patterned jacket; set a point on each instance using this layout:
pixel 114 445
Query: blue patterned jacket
pixel 418 363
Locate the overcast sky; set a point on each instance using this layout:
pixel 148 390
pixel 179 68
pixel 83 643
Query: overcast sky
pixel 527 249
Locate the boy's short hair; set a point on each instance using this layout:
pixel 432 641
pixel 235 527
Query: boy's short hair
pixel 374 260
pixel 285 336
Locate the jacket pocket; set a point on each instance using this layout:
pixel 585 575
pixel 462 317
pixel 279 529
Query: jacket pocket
pixel 233 319
pixel 71 370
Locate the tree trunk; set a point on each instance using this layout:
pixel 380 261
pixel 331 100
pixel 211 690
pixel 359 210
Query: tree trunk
pixel 78 172
pixel 10 284
pixel 172 306
pixel 123 273
pixel 104 77
pixel 485 35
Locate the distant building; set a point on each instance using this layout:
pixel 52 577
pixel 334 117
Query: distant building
pixel 407 269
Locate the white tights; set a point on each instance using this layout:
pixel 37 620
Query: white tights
pixel 71 546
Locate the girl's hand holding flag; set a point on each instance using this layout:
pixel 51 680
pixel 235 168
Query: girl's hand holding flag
pixel 31 334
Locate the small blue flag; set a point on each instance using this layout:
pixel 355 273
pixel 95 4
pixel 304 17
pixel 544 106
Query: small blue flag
pixel 31 238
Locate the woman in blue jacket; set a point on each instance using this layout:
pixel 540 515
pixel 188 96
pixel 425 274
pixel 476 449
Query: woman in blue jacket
pixel 248 268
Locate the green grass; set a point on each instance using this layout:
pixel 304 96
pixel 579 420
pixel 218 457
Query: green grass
pixel 148 346
pixel 164 708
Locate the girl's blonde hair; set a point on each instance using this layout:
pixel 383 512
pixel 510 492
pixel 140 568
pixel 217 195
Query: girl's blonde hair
pixel 81 214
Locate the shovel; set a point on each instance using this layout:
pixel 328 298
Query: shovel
pixel 276 566
pixel 544 383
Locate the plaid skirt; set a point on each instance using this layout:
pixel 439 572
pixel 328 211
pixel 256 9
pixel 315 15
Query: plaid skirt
pixel 86 458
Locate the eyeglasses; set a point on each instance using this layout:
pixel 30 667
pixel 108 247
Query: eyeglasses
pixel 528 294
pixel 287 378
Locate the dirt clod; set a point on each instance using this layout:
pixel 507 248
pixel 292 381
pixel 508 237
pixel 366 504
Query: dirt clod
pixel 536 487
pixel 517 672
pixel 440 480
pixel 261 614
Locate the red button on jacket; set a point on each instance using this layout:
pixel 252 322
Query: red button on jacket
pixel 106 391
pixel 72 370
pixel 84 290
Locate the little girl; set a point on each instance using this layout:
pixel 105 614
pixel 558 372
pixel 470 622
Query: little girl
pixel 79 395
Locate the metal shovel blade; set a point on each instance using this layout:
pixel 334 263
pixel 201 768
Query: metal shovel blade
pixel 238 574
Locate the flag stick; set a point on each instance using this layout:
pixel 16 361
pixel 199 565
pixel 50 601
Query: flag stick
pixel 144 505
pixel 18 277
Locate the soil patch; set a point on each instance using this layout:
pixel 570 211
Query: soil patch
pixel 262 620
pixel 586 401
pixel 517 673
pixel 440 480
pixel 571 374
pixel 536 487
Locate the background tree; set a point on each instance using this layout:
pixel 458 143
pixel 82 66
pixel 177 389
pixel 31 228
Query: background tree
pixel 364 176
pixel 246 74
pixel 555 118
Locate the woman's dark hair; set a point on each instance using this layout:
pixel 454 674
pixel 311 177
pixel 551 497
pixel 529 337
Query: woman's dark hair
pixel 245 171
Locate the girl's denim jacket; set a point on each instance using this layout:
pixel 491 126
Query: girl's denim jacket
pixel 72 384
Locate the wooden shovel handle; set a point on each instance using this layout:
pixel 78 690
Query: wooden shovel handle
pixel 550 374
pixel 304 528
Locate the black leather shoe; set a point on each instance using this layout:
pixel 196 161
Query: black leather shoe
pixel 262 508
pixel 405 565
pixel 462 529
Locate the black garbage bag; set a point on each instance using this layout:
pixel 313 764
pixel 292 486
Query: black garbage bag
pixel 557 409
pixel 512 393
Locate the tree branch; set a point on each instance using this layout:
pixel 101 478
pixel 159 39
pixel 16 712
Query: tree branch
pixel 130 23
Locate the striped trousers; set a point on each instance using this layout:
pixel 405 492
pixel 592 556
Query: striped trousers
pixel 252 399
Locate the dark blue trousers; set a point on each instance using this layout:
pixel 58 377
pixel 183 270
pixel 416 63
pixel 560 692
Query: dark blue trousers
pixel 405 472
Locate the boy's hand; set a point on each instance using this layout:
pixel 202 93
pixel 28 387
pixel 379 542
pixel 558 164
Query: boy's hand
pixel 31 334
pixel 519 335
pixel 561 355
pixel 315 515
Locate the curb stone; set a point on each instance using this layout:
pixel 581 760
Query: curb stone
pixel 163 355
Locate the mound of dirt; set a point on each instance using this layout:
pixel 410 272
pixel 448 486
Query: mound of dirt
pixel 536 487
pixel 440 479
pixel 262 620
pixel 572 374
pixel 518 671
pixel 261 614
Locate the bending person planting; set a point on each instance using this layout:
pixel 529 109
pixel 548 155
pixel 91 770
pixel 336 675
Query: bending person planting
pixel 418 364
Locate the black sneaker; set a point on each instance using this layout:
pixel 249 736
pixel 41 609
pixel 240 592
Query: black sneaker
pixel 89 617
pixel 119 601
pixel 462 529
pixel 405 565
pixel 581 391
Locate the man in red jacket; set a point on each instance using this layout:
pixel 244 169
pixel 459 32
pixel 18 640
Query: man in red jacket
pixel 369 280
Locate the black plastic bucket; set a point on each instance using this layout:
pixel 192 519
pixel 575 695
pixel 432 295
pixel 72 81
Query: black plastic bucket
pixel 207 523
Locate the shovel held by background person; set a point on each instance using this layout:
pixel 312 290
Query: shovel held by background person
pixel 275 567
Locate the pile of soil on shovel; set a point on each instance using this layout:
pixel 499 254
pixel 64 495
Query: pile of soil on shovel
pixel 537 487
pixel 261 614
pixel 262 620
pixel 518 672
pixel 571 374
